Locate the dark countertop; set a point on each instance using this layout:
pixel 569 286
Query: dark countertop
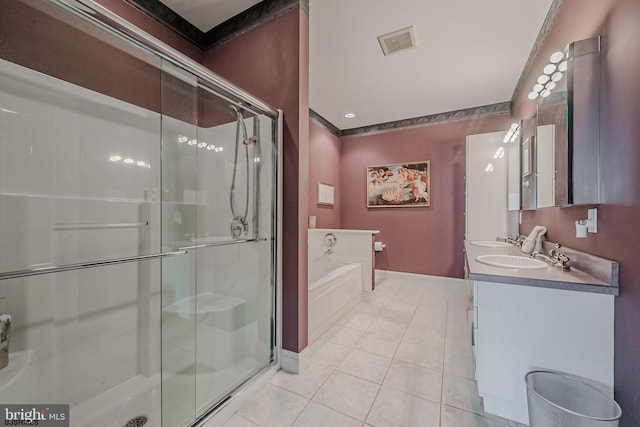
pixel 551 277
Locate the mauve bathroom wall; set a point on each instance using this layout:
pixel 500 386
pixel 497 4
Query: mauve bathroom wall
pixel 271 62
pixel 324 166
pixel 618 237
pixel 152 26
pixel 423 240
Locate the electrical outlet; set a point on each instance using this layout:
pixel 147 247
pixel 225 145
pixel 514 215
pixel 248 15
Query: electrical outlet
pixel 592 220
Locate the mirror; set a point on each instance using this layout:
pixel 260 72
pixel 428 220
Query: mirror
pixel 566 146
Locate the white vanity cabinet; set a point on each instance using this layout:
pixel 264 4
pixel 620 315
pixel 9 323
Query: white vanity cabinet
pixel 518 328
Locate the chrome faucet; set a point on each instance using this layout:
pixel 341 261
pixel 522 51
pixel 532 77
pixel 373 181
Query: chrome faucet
pixel 330 240
pixel 516 242
pixel 555 258
pixel 5 329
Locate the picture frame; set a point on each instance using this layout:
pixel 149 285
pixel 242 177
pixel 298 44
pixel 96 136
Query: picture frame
pixel 326 194
pixel 527 157
pixel 399 185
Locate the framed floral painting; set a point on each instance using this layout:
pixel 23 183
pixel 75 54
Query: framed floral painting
pixel 399 185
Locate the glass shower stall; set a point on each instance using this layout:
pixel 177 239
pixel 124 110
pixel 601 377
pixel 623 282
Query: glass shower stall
pixel 138 231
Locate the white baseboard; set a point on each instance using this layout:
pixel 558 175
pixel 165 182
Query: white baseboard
pixel 293 362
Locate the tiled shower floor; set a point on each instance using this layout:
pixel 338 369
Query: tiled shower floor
pixel 404 359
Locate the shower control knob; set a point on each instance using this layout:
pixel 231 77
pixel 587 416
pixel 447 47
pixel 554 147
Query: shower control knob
pixel 239 226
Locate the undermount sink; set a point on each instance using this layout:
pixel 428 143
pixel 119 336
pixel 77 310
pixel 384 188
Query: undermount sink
pixel 512 261
pixel 490 243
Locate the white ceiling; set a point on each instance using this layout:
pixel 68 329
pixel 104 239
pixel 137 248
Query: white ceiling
pixel 206 14
pixel 470 53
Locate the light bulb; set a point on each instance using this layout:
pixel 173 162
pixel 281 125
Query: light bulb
pixel 128 161
pixel 543 79
pixel 533 95
pixel 514 126
pixel 192 142
pixel 551 85
pixel 202 144
pixel 489 168
pixel 182 139
pixel 211 147
pixel 556 57
pixel 545 93
pixel 557 76
pixel 549 69
pixel 115 158
pixel 141 163
pixel 349 115
pixel 563 66
pixel 537 87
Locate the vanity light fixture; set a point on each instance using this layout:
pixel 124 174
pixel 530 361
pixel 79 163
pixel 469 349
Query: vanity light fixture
pixel 553 73
pixel 128 160
pixel 489 168
pixel 512 134
pixel 192 142
pixel 349 115
pixel 499 153
pixel 202 144
pixel 182 139
pixel 115 158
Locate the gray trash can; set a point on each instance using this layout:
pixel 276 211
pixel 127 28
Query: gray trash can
pixel 557 399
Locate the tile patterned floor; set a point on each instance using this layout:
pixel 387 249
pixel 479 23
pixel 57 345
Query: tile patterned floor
pixel 403 359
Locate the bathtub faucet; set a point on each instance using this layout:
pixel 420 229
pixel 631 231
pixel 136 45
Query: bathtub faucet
pixel 330 240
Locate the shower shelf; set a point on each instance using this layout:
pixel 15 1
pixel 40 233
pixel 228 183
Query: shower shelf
pixel 221 243
pixel 84 265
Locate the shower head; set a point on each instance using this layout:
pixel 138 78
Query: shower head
pixel 235 111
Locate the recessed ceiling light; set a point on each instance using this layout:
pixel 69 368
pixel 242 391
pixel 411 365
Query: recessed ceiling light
pixel 349 115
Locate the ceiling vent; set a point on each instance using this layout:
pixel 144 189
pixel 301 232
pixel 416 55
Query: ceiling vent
pixel 398 41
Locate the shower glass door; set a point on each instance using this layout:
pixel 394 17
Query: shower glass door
pixel 235 250
pixel 137 239
pixel 80 167
pixel 218 204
